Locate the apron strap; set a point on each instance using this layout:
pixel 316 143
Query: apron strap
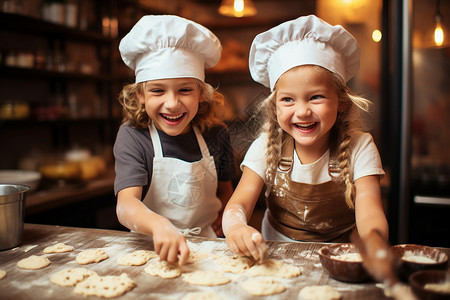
pixel 157 148
pixel 287 155
pixel 201 142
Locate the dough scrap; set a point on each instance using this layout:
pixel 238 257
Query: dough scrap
pixel 105 286
pixel 136 258
pixel 275 268
pixel 58 248
pixel 234 264
pixel 206 277
pixel 202 296
pixel 197 256
pixel 91 256
pixel 33 262
pixel 262 286
pixel 319 292
pixel 2 274
pixel 162 268
pixel 70 277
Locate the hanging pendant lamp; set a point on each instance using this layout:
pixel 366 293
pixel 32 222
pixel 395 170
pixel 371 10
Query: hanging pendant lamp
pixel 237 8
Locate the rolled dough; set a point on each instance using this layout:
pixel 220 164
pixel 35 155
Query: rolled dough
pixel 33 262
pixel 319 292
pixel 162 268
pixel 262 286
pixel 206 277
pixel 91 256
pixel 136 258
pixel 58 248
pixel 275 268
pixel 70 277
pixel 105 286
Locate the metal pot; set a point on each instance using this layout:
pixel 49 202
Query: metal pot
pixel 12 212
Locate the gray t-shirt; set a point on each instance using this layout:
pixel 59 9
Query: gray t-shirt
pixel 133 152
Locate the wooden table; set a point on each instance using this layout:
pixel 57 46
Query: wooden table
pixel 35 284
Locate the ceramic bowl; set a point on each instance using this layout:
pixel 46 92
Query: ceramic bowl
pixel 412 258
pixel 420 279
pixel 335 260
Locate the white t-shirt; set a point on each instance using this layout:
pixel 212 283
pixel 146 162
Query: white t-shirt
pixel 365 160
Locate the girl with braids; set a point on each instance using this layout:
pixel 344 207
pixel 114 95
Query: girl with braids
pixel 173 159
pixel 322 174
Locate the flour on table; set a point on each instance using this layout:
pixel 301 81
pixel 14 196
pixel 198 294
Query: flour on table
pixel 2 274
pixel 91 256
pixel 351 257
pixel 319 292
pixel 162 268
pixel 273 267
pixel 70 277
pixel 206 277
pixel 58 248
pixel 262 286
pixel 136 258
pixel 33 262
pixel 105 286
pixel 234 264
pixel 202 296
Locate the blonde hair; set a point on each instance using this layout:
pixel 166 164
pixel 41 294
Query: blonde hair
pixel 348 120
pixel 207 115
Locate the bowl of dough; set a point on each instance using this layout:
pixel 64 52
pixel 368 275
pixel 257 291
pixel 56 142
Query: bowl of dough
pixel 22 177
pixel 412 258
pixel 431 284
pixel 343 262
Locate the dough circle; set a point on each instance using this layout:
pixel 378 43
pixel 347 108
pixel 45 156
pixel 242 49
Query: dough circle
pixel 58 248
pixel 105 286
pixel 91 256
pixel 70 277
pixel 2 274
pixel 136 258
pixel 234 264
pixel 319 292
pixel 275 268
pixel 162 268
pixel 206 277
pixel 262 286
pixel 33 262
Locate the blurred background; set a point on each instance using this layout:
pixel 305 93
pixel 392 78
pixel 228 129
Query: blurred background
pixel 61 73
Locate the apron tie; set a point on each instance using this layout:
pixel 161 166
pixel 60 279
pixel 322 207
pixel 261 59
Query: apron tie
pixel 190 231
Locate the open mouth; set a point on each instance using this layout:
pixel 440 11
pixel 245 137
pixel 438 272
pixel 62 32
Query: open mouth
pixel 306 126
pixel 172 117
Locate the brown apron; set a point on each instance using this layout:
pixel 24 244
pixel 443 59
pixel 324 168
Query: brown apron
pixel 308 212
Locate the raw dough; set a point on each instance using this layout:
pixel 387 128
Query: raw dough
pixel 234 264
pixel 351 257
pixel 58 248
pixel 105 286
pixel 2 274
pixel 196 256
pixel 91 256
pixel 70 277
pixel 262 286
pixel 162 268
pixel 206 277
pixel 319 292
pixel 202 296
pixel 33 262
pixel 273 267
pixel 136 258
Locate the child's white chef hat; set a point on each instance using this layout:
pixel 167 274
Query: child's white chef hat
pixel 166 46
pixel 304 41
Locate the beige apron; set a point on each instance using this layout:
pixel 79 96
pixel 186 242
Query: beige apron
pixel 184 192
pixel 308 212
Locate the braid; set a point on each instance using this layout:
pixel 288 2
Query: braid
pixel 343 164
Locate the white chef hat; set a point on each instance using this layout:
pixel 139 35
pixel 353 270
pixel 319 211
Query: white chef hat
pixel 304 41
pixel 166 46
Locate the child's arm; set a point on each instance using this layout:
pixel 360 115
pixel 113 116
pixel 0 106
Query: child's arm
pixel 224 192
pixel 135 215
pixel 241 238
pixel 369 210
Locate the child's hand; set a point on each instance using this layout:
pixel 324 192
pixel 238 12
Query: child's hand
pixel 246 240
pixel 169 243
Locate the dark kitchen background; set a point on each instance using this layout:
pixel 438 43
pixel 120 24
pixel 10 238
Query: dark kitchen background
pixel 61 73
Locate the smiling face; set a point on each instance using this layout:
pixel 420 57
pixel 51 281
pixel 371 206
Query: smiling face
pixel 171 103
pixel 307 104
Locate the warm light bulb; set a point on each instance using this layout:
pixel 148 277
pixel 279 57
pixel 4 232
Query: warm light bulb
pixel 438 34
pixel 239 6
pixel 376 35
